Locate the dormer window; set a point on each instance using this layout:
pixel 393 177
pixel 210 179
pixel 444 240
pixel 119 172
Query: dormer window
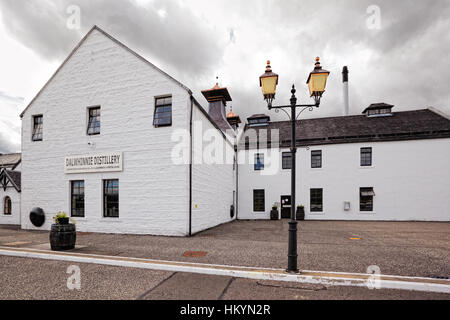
pixel 258 120
pixel 378 110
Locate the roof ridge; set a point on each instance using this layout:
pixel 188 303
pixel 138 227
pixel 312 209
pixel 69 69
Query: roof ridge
pixel 95 27
pixel 349 116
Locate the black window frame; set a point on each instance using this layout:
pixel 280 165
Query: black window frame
pixel 7 206
pixel 76 210
pixel 258 164
pixel 316 159
pixel 97 124
pixel 316 200
pixel 162 108
pixel 37 133
pixel 110 191
pixel 365 202
pixel 286 160
pixel 365 157
pixel 259 200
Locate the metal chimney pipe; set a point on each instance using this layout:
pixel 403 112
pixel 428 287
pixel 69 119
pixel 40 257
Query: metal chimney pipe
pixel 345 85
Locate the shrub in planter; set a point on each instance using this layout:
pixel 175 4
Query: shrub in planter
pixel 300 213
pixel 274 213
pixel 62 234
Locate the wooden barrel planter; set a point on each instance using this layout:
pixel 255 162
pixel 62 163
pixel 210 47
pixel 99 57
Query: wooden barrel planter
pixel 274 213
pixel 63 235
pixel 300 213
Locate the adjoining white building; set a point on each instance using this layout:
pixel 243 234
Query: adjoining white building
pixel 381 165
pixel 102 140
pixel 10 188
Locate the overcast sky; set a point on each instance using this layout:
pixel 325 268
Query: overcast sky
pixel 400 58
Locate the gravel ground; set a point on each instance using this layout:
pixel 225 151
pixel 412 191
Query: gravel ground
pixel 398 248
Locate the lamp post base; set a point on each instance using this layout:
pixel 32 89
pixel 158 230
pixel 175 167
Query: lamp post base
pixel 292 251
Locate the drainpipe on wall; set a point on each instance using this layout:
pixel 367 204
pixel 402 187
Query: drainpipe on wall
pixel 190 166
pixel 237 177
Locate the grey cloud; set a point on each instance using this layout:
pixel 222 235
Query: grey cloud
pixel 401 63
pixel 10 99
pixel 180 40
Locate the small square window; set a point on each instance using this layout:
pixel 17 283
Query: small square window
pixel 77 198
pixel 38 126
pixel 94 121
pixel 316 159
pixel 111 198
pixel 366 199
pixel 286 160
pixel 316 200
pixel 366 157
pixel 259 161
pixel 163 112
pixel 258 200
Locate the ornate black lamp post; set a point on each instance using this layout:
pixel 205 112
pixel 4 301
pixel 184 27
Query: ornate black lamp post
pixel 316 82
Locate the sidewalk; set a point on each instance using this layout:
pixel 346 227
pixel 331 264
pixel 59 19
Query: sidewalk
pixel 397 248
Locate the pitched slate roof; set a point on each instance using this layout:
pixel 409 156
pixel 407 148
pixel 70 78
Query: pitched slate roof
pixel 10 160
pixel 406 125
pixel 117 42
pixel 10 178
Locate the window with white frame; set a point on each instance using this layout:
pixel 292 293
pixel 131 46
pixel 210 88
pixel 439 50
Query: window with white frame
pixel 316 159
pixel 366 157
pixel 259 161
pixel 366 199
pixel 286 160
pixel 38 126
pixel 163 112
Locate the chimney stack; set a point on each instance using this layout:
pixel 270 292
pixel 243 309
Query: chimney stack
pixel 345 85
pixel 217 97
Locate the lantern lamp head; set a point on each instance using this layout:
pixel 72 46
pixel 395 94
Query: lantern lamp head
pixel 268 82
pixel 317 81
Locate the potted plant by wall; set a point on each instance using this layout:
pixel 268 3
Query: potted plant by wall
pixel 300 213
pixel 63 233
pixel 274 212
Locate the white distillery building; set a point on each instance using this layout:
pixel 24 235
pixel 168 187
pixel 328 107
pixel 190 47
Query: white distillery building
pixel 98 142
pixel 123 147
pixel 380 165
pixel 10 188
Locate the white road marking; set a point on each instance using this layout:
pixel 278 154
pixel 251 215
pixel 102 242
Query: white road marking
pixel 305 276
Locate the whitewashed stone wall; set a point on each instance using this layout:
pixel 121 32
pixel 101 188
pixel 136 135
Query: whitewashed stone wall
pixel 14 218
pixel 153 192
pixel 212 184
pixel 411 180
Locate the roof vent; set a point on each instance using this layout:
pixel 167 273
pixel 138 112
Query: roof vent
pixel 378 110
pixel 257 120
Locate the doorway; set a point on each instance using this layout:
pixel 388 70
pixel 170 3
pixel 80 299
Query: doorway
pixel 285 207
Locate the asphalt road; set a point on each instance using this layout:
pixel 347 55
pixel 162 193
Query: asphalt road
pixel 25 278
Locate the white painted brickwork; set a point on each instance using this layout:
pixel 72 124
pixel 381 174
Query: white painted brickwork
pixel 212 184
pixel 154 193
pixel 411 180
